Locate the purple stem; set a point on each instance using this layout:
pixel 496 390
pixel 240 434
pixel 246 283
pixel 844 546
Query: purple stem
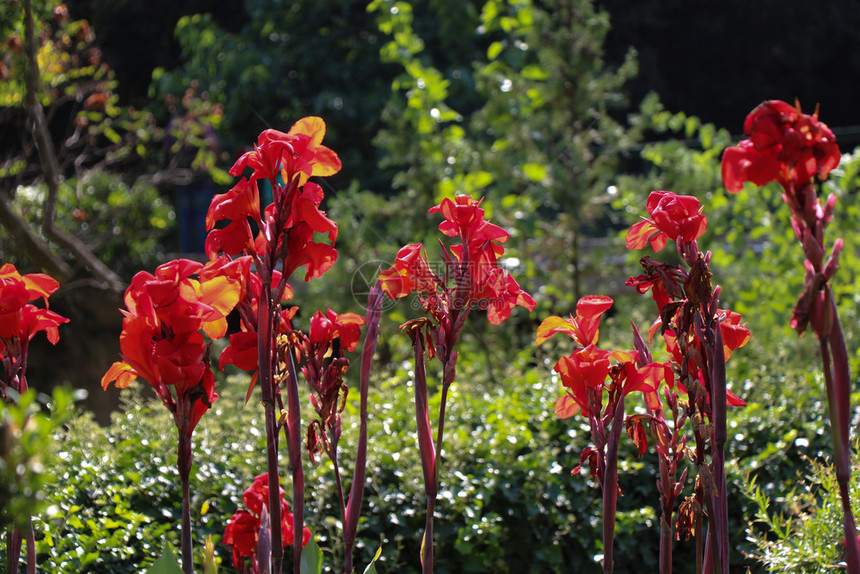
pixel 666 484
pixel 610 485
pixel 265 324
pixel 838 382
pixel 184 462
pixel 294 443
pixel 264 543
pixel 425 446
pixel 31 550
pixel 356 491
pixel 718 412
pixel 13 549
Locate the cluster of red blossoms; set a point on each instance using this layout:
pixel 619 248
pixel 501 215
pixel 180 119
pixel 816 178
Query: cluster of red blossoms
pixel 585 371
pixel 285 229
pixel 280 238
pixel 673 216
pixel 324 372
pixel 793 149
pixel 161 339
pixel 678 292
pixel 243 528
pixel 20 320
pixel 784 145
pixel 471 267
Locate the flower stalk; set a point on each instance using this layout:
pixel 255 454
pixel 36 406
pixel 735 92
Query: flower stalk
pixel 293 430
pixel 356 493
pixel 796 149
pixel 472 279
pixel 20 320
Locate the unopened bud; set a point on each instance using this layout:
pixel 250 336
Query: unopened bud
pixel 813 250
pixel 827 216
pixel 833 261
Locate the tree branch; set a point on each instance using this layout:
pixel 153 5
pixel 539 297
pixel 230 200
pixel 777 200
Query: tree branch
pixel 30 243
pixel 50 164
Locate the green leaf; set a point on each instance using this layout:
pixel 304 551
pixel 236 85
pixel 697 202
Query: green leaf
pixel 371 568
pixel 534 72
pixel 534 171
pixel 166 564
pixel 494 50
pixel 311 558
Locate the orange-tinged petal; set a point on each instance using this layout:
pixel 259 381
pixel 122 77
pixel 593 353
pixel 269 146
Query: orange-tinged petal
pixel 327 162
pixel 215 329
pixel 37 284
pixel 652 399
pixel 639 233
pixel 552 325
pixel 221 292
pixel 311 126
pixel 396 282
pixel 121 374
pixel 623 356
pixel 566 407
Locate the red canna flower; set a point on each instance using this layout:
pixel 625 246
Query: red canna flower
pixel 20 320
pixel 298 152
pixel 325 328
pixel 472 266
pixel 506 298
pixel 647 379
pixel 464 218
pixel 784 145
pixel 735 335
pixel 409 273
pixel 695 373
pixel 285 229
pixel 587 366
pixel 584 328
pixel 673 216
pixel 243 528
pixel 241 536
pixel 161 339
pixel 241 352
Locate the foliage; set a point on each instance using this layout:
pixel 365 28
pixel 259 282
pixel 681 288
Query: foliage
pixel 117 504
pixel 27 453
pixel 127 226
pixel 91 128
pixel 806 537
pixel 525 113
pixel 272 72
